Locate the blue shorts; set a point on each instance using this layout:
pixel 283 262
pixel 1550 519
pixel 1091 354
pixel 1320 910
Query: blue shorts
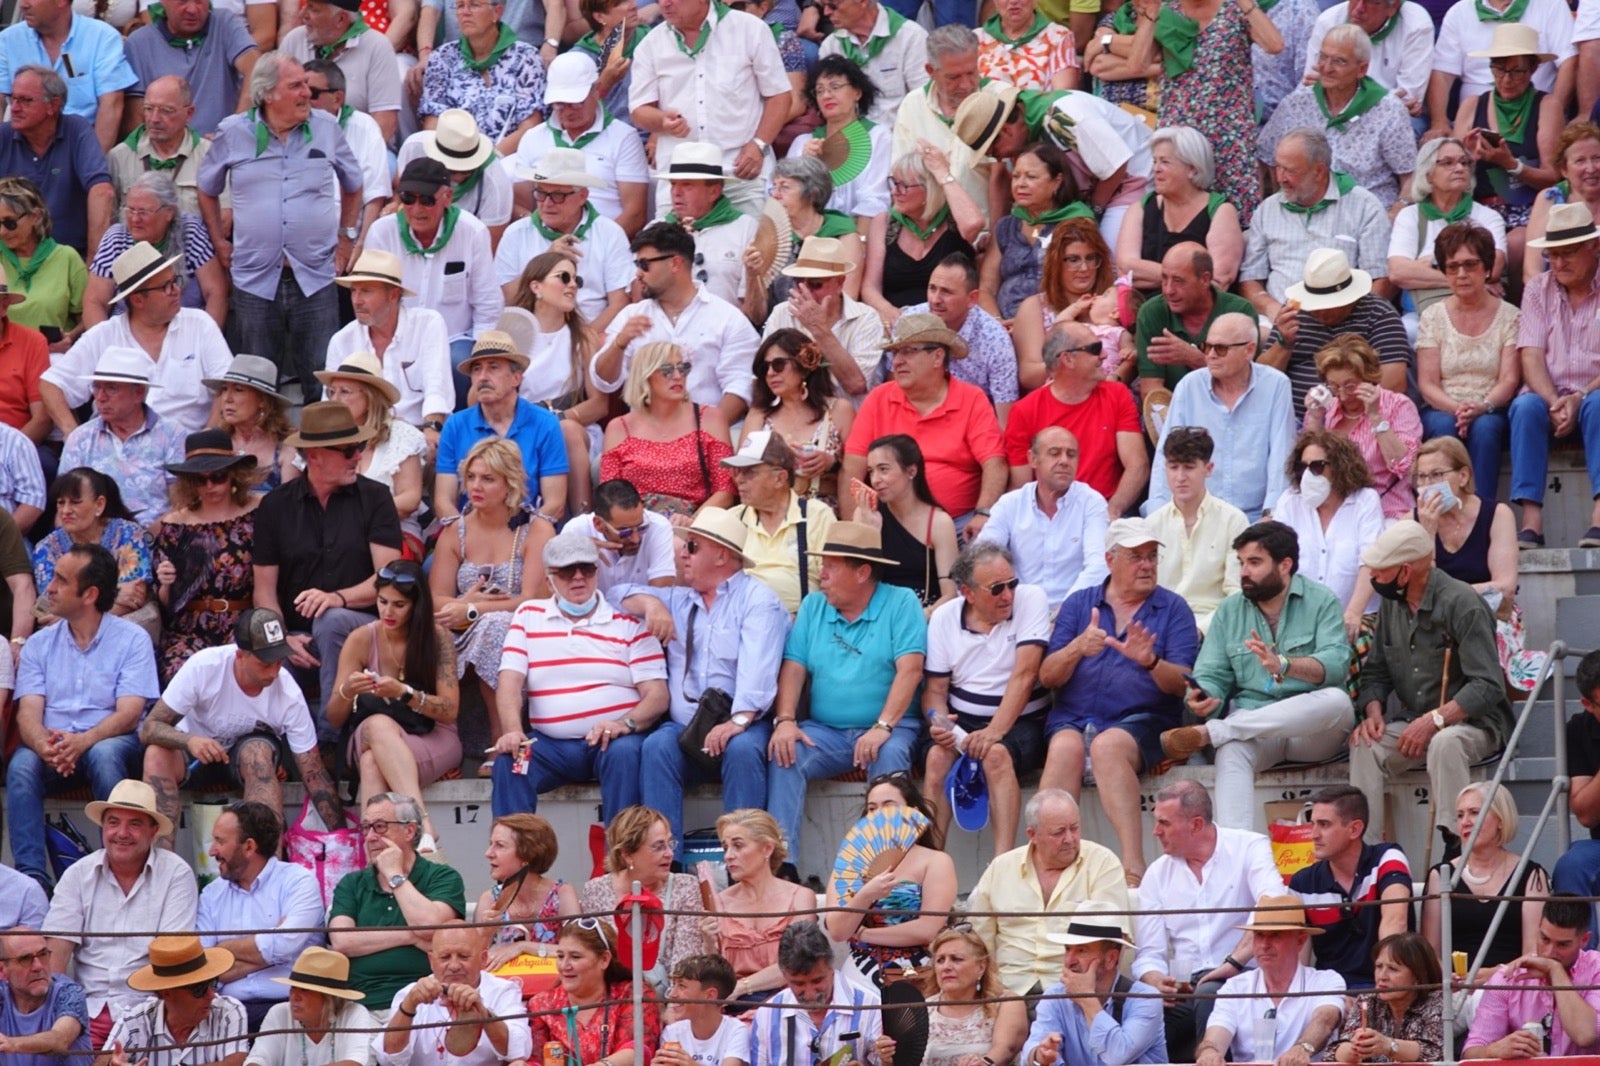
pixel 1145 729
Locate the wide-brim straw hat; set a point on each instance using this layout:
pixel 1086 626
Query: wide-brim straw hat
pixel 365 368
pixel 820 257
pixel 982 116
pixel 253 372
pixel 8 297
pixel 328 425
pixel 719 526
pixel 1512 39
pixel 1329 282
pixel 1280 914
pixel 376 265
pixel 457 142
pixel 694 161
pixel 1091 923
pixel 322 970
pixel 137 265
pixel 130 795
pixel 854 540
pixel 1566 224
pixel 925 328
pixel 178 962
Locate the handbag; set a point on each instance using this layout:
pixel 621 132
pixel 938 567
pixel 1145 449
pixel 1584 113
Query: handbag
pixel 368 705
pixel 330 854
pixel 714 708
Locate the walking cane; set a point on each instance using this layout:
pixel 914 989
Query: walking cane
pixel 1433 800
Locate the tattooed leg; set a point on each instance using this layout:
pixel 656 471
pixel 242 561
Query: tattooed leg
pixel 163 769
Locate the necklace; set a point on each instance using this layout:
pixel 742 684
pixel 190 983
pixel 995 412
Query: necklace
pixel 398 660
pixel 1478 879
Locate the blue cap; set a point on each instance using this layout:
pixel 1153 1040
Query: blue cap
pixel 968 793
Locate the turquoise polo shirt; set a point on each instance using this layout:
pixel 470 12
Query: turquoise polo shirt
pixel 535 431
pixel 852 663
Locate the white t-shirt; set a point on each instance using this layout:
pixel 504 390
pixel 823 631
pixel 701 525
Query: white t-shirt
pixel 213 705
pixel 1239 1016
pixel 654 558
pixel 730 1041
pixel 279 1046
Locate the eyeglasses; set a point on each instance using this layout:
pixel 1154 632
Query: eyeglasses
pixel 1092 348
pixel 567 573
pixel 998 587
pixel 1336 62
pixel 350 451
pixel 1349 388
pixel 567 277
pixel 43 954
pixel 426 199
pixel 1461 266
pixel 144 212
pixel 174 112
pixel 778 365
pixel 1453 161
pixel 381 825
pixel 644 262
pixel 1077 262
pixel 663 847
pixel 896 185
pixel 1502 67
pixel 1222 347
pixel 691 546
pixel 397 577
pixel 170 286
pixel 541 195
pixel 1433 476
pixel 620 532
pixel 675 370
pixel 1316 466
pixel 29 99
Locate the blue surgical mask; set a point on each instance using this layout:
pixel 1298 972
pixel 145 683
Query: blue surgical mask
pixel 578 610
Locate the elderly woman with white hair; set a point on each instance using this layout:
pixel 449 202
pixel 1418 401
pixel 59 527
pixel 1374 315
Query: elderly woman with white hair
pixel 1367 126
pixel 1181 206
pixel 150 213
pixel 1442 183
pixel 929 217
pixel 803 186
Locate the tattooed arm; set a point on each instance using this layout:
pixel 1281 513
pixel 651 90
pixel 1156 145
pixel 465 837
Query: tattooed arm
pixel 320 787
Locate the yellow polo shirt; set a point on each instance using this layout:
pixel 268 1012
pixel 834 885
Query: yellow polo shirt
pixel 774 557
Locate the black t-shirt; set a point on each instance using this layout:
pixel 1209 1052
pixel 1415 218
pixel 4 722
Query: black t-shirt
pixel 327 549
pixel 1583 751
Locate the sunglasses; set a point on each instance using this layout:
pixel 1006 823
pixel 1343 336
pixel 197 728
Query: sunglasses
pixel 170 286
pixel 318 94
pixel 426 199
pixel 621 532
pixel 1461 266
pixel 350 451
pixel 675 370
pixel 216 477
pixel 691 545
pixel 1316 466
pixel 1002 586
pixel 567 277
pixel 1092 348
pixel 397 577
pixel 644 262
pixel 814 284
pixel 1222 347
pixel 567 573
pixel 779 365
pixel 9 223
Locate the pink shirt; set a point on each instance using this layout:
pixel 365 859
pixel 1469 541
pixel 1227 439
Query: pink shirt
pixel 1502 1011
pixel 1392 482
pixel 1569 336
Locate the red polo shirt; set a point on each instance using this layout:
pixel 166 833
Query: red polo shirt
pixel 1096 421
pixel 24 355
pixel 956 438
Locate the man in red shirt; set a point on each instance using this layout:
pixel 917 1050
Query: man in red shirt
pixel 24 355
pixel 953 422
pixel 1099 412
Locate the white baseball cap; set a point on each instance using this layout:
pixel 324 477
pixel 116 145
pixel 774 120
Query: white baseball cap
pixel 569 79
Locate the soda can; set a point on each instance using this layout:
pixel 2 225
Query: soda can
pixel 554 1053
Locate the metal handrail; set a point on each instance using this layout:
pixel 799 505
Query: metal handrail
pixel 1555 804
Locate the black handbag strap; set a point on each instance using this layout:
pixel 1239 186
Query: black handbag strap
pixel 700 451
pixel 800 546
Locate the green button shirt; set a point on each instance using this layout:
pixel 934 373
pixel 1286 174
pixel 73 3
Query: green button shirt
pixel 1312 623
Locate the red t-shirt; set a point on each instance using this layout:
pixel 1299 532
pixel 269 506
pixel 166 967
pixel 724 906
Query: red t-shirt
pixel 955 437
pixel 1109 410
pixel 24 355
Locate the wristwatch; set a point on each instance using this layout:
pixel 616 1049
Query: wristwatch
pixel 742 719
pixel 633 727
pixel 885 726
pixel 396 880
pixel 1438 720
pixel 759 143
pixel 350 232
pixel 1308 1047
pixel 553 43
pixel 472 612
pixel 1381 427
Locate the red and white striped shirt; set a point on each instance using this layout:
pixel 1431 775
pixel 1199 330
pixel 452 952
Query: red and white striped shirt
pixel 579 671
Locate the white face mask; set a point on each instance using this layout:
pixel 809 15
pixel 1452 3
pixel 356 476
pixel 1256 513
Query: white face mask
pixel 1314 488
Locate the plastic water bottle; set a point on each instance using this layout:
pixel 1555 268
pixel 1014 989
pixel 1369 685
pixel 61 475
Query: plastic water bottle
pixel 944 721
pixel 1264 1038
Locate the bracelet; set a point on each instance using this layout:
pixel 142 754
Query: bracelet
pixel 407 1013
pixel 779 721
pixel 343 695
pixel 1235 963
pixel 1283 666
pixel 1155 661
pixel 342 601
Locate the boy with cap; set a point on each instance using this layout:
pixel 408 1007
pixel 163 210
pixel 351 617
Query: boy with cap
pixel 580 685
pixel 237 708
pixel 1447 716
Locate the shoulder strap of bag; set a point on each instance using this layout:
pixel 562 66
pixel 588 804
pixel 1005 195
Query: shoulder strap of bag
pixel 800 547
pixel 700 451
pixel 1119 992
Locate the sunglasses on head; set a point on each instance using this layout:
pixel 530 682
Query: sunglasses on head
pixel 567 573
pixel 397 577
pixel 426 199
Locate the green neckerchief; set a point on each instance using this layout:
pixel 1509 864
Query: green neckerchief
pixel 446 228
pixel 1387 28
pixel 264 135
pixel 722 212
pixel 591 44
pixel 860 140
pixel 559 136
pixel 991 26
pixel 589 215
pixel 345 111
pixel 1459 213
pixel 1176 33
pixel 470 182
pixel 721 11
pixel 1368 95
pixel 502 44
pixel 132 143
pixel 26 271
pixel 356 29
pixel 1076 209
pixel 861 57
pixel 1511 14
pixel 836 223
pixel 921 231
pixel 1343 182
pixel 158 13
pixel 1268 6
pixel 1512 115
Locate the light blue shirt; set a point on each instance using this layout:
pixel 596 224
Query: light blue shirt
pixel 91 62
pixel 81 687
pixel 1252 441
pixel 1060 553
pixel 736 643
pixel 283 895
pixel 781 1033
pixel 853 663
pixel 1140 1037
pixel 22 901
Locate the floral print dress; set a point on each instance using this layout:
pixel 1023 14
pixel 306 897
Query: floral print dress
pixel 1217 97
pixel 215 563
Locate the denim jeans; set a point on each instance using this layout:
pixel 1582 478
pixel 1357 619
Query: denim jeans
pixel 292 330
pixel 1578 871
pixel 744 773
pixel 1530 444
pixel 555 762
pixel 460 348
pixel 832 755
pixel 1485 441
pixel 29 779
pixel 329 631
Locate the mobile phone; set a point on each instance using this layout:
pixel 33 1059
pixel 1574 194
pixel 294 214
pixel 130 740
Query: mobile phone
pixel 51 333
pixel 1494 139
pixel 1189 680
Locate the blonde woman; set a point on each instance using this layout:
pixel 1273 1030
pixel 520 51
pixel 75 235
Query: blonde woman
pixel 753 850
pixel 668 446
pixel 52 276
pixel 488 559
pixel 967 1032
pixel 929 218
pixel 1485 877
pixel 323 1020
pixel 394 454
pixel 254 414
